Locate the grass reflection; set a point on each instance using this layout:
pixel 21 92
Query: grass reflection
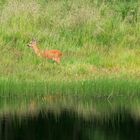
pixel 100 108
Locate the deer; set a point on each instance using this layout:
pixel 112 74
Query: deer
pixel 54 55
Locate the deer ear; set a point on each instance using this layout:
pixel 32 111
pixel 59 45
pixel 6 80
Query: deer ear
pixel 33 39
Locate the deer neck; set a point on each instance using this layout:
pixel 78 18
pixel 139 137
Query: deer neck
pixel 37 51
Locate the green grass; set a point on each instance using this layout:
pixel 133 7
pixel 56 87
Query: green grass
pixel 99 40
pixel 100 87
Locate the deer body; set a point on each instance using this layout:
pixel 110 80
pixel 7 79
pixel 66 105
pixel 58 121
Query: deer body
pixel 54 55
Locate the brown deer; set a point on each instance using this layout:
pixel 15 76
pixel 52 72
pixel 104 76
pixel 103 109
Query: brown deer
pixel 54 55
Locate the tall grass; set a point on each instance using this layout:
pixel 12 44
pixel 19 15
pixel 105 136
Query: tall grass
pixel 102 88
pixel 99 39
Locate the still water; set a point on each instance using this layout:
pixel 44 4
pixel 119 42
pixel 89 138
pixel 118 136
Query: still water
pixel 53 118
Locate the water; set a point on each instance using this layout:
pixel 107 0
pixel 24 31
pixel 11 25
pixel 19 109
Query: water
pixel 70 119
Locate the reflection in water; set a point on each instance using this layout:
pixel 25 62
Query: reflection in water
pixel 74 120
pixel 68 126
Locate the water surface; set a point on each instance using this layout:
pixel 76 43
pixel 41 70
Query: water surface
pixel 66 118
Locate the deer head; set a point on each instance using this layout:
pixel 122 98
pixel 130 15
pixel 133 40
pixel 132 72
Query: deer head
pixel 32 43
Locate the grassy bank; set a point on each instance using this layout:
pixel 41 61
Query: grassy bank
pixel 99 39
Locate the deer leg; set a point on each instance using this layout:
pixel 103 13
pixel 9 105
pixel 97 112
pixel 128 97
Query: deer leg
pixel 56 60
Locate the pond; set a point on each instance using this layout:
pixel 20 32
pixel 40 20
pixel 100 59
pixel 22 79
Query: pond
pixel 69 118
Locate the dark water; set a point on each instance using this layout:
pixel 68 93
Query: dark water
pixel 117 123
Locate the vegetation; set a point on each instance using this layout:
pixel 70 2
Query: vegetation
pixel 105 88
pixel 99 39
